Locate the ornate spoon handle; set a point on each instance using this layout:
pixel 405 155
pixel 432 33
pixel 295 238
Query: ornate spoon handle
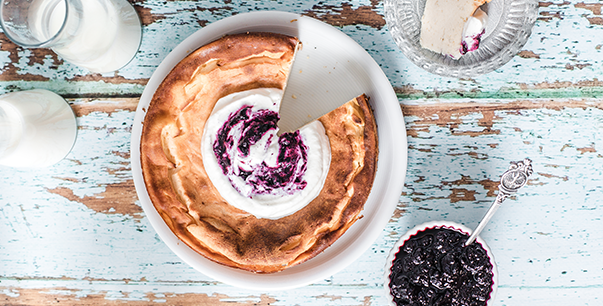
pixel 513 179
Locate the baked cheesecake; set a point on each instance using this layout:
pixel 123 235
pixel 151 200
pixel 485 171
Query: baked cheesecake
pixel 217 173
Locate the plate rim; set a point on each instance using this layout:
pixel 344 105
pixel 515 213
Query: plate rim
pixel 295 276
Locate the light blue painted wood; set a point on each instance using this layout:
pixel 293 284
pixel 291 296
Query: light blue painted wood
pixel 567 48
pixel 546 240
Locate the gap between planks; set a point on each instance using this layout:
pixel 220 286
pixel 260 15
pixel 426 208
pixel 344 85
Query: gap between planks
pixel 83 107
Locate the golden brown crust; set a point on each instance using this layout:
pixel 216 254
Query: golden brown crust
pixel 187 200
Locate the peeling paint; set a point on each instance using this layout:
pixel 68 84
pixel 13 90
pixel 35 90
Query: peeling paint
pixel 550 16
pixel 116 199
pixel 69 296
pixel 589 149
pixel 595 8
pixel 461 194
pixel 146 15
pixel 346 15
pixel 547 175
pixel 528 54
pixel 74 234
pixel 83 107
pixel 595 20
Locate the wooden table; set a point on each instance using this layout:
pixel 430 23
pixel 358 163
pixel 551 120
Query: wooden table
pixel 75 233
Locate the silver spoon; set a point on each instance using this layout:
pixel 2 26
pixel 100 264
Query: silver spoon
pixel 513 179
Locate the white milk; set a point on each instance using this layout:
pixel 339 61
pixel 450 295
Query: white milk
pixel 104 34
pixel 37 128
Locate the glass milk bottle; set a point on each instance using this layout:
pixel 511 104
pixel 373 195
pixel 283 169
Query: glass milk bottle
pixel 100 35
pixel 37 128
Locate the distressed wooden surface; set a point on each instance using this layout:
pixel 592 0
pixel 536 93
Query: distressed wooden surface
pixel 75 233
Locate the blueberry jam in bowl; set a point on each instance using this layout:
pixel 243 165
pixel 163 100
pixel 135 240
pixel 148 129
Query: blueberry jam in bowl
pixel 431 266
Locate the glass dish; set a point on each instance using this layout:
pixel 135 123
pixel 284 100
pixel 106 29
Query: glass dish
pixel 509 25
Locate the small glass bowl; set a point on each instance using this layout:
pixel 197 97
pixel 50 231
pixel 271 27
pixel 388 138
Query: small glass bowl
pixel 436 225
pixel 509 26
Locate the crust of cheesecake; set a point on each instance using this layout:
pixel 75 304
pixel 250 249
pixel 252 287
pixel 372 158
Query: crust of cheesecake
pixel 186 199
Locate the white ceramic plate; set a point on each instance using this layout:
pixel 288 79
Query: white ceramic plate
pixel 324 40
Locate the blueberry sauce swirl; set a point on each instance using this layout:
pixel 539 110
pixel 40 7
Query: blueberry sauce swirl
pixel 251 167
pixel 235 140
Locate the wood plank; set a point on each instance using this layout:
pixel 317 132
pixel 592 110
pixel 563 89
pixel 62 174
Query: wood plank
pixel 120 293
pixel 98 245
pixel 75 233
pixel 562 44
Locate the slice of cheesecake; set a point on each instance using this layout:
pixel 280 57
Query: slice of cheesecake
pixel 443 22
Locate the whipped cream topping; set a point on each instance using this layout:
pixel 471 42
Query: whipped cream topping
pixel 254 169
pixel 474 29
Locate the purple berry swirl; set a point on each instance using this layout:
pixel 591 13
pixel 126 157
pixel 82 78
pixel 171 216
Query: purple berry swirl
pixel 251 167
pixel 240 133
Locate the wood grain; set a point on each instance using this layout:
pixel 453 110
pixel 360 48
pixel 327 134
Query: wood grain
pixel 347 15
pixel 561 43
pixel 69 296
pixel 75 233
pixel 116 199
pixel 454 157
